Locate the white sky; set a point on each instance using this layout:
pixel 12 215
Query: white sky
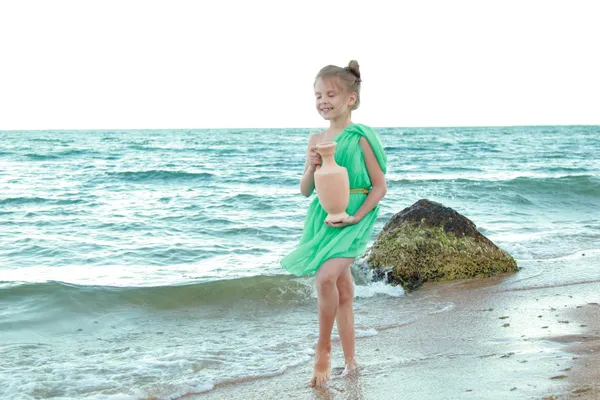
pixel 241 64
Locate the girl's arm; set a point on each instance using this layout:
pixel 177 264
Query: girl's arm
pixel 307 182
pixel 379 187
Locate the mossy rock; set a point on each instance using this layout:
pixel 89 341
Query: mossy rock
pixel 430 242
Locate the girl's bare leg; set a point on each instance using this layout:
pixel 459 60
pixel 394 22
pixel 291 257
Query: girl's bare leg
pixel 345 318
pixel 327 291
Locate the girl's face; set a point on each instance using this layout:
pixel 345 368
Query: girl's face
pixel 332 101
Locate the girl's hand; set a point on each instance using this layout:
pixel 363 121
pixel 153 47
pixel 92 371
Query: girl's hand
pixel 314 158
pixel 350 220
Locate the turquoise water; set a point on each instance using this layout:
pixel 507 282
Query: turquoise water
pixel 137 263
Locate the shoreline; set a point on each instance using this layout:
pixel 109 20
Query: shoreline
pixel 493 342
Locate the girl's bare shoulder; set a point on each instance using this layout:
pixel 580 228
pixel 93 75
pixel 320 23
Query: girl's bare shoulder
pixel 316 138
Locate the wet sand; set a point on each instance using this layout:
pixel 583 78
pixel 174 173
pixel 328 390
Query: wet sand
pixel 493 342
pixel 584 375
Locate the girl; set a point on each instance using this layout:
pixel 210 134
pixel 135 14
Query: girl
pixel 327 250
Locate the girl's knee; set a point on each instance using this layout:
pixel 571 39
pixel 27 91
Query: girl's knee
pixel 325 281
pixel 346 293
pixel 329 273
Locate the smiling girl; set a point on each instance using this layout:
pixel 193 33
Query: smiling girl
pixel 328 250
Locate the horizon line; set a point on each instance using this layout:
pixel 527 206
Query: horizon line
pixel 305 127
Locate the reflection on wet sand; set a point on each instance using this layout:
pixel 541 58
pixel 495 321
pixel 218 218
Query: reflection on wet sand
pixel 346 387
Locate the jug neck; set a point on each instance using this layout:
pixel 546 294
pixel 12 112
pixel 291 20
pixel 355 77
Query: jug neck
pixel 328 160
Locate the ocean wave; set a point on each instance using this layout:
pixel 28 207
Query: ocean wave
pixel 41 157
pixel 171 148
pixel 254 201
pixel 378 288
pixel 272 232
pixel 574 184
pixel 75 152
pixel 267 180
pixel 23 200
pixel 58 141
pixel 255 291
pixel 240 292
pixel 160 175
pixel 59 154
pixel 38 200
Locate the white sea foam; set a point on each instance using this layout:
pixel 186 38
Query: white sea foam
pixel 378 288
pixel 441 307
pixel 360 333
pixel 590 253
pixel 363 289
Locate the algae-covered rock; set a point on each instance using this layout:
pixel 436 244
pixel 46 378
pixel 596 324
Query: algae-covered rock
pixel 430 242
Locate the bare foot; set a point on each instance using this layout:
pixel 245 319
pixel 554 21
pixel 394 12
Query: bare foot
pixel 351 365
pixel 322 371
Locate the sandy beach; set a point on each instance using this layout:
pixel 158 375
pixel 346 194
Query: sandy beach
pixel 584 376
pixel 494 343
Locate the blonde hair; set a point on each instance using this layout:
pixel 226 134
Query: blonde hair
pixel 349 78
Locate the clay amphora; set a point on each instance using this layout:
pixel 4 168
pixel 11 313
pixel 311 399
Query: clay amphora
pixel 332 184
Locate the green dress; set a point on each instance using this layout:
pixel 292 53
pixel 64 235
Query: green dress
pixel 320 242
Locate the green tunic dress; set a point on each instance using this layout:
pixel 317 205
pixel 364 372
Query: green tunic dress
pixel 320 242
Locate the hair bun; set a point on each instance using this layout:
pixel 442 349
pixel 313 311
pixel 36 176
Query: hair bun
pixel 354 68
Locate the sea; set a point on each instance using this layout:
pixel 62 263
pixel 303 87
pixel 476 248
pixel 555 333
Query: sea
pixel 145 263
